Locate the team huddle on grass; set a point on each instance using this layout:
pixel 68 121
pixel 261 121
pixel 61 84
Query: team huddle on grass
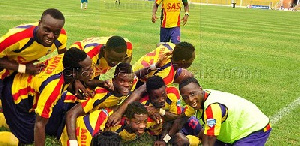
pixel 63 96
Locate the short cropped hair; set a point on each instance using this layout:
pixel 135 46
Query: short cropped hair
pixel 135 108
pixel 183 50
pixel 53 13
pixel 154 82
pixel 188 81
pixel 106 138
pixel 72 57
pixel 117 44
pixel 124 68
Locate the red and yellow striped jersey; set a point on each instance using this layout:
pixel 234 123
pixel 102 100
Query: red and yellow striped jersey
pixel 166 71
pixel 172 105
pixel 92 46
pixel 45 88
pixel 214 115
pixel 20 44
pixel 92 123
pixel 170 12
pixel 102 99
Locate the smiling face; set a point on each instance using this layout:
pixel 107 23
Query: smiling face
pixel 192 94
pixel 138 123
pixel 113 58
pixel 123 83
pixel 49 30
pixel 158 97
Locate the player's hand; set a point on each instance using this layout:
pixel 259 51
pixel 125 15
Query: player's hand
pixel 34 69
pixel 108 85
pixel 154 18
pixel 80 91
pixel 162 58
pixel 154 114
pixel 113 119
pixel 159 143
pixel 184 19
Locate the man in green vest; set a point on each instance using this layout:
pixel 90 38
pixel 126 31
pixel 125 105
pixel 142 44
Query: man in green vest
pixel 228 119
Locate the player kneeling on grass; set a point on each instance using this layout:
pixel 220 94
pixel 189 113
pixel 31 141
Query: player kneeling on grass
pixel 28 100
pixel 132 126
pixel 228 119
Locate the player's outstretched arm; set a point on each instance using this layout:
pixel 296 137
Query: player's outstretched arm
pixel 115 118
pixel 71 117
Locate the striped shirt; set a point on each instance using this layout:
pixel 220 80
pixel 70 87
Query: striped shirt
pixel 92 46
pixel 166 71
pixel 20 44
pixel 45 88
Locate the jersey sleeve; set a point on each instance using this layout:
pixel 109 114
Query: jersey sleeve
pixel 49 94
pixel 166 73
pixel 158 1
pixel 214 115
pixel 11 40
pixel 102 99
pixel 129 48
pixel 174 97
pixel 62 39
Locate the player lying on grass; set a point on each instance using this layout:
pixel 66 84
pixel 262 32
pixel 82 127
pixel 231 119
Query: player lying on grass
pixel 122 81
pixel 28 100
pixel 166 61
pixel 132 126
pixel 228 119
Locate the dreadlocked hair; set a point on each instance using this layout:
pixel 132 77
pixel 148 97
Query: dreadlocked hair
pixel 188 81
pixel 117 44
pixel 135 108
pixel 183 51
pixel 154 82
pixel 124 68
pixel 53 13
pixel 72 58
pixel 106 138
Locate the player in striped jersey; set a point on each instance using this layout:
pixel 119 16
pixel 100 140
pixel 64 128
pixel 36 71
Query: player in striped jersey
pixel 163 104
pixel 25 44
pixel 122 81
pixel 170 19
pixel 228 119
pixel 28 100
pixel 105 52
pixel 133 125
pixel 166 61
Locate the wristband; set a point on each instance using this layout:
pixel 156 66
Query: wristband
pixel 153 66
pixel 162 112
pixel 21 68
pixel 167 138
pixel 72 143
pixel 187 13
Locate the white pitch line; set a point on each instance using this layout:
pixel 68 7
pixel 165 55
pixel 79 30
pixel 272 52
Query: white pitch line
pixel 284 111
